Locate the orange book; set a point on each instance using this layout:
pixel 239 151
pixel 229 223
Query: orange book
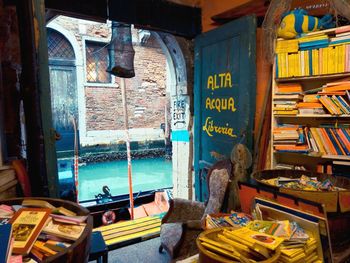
pixel 328 141
pixel 309 105
pixel 37 254
pixel 329 169
pixel 340 93
pixel 319 168
pixel 343 138
pixel 295 87
pixel 336 88
pixel 291 147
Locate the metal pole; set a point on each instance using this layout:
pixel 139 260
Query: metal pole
pixel 128 152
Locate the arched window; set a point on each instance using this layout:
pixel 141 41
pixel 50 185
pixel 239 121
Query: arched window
pixel 58 46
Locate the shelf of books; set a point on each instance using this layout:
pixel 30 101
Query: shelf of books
pixel 311 102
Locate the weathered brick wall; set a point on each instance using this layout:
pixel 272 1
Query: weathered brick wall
pixel 146 92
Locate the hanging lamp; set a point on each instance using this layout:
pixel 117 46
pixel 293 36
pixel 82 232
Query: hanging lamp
pixel 121 52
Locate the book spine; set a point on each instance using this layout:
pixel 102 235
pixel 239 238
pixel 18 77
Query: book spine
pixel 328 142
pixel 343 137
pixel 325 103
pixel 340 142
pixel 310 63
pixel 344 103
pixel 339 106
pixel 333 142
pixel 337 143
pixel 318 141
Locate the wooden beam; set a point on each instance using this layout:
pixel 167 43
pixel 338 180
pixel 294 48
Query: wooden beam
pixel 257 7
pixel 35 91
pixel 158 15
pixel 95 10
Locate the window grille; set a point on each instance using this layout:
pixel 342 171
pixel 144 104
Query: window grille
pixel 97 62
pixel 58 46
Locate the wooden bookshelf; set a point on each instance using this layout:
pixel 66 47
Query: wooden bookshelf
pixel 312 116
pixel 323 122
pixel 310 155
pixel 314 77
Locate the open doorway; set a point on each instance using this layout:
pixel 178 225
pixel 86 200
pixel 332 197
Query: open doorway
pixel 78 76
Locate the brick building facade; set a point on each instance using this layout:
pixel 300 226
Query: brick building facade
pixel 146 93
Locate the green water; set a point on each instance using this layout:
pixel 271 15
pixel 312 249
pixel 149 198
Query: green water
pixel 147 174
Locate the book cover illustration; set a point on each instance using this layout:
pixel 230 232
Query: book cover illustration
pixel 27 224
pixel 67 231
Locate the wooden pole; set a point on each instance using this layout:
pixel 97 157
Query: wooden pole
pixel 76 159
pixel 128 152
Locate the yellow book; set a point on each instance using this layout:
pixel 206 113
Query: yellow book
pixel 225 246
pixel 342 59
pixel 336 59
pixel 317 52
pixel 283 66
pixel 318 140
pixel 331 62
pixel 292 252
pixel 317 58
pixel 286 46
pixel 312 257
pixel 254 237
pixel 290 71
pixel 221 251
pixel 293 65
pixel 301 61
pixel 279 65
pixel 298 64
pixel 313 62
pixel 294 259
pixel 306 62
pixel 320 60
pixel 285 71
pixel 244 247
pixel 287 66
pixel 325 61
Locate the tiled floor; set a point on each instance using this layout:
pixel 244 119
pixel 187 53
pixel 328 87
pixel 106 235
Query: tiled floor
pixel 143 252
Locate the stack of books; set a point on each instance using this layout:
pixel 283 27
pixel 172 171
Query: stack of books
pixel 39 230
pixel 325 140
pixel 305 108
pixel 286 98
pixel 242 244
pixel 335 97
pixel 260 240
pixel 8 183
pixel 331 98
pixel 290 138
pixel 322 52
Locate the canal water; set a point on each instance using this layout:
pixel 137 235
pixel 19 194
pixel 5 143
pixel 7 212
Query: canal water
pixel 147 174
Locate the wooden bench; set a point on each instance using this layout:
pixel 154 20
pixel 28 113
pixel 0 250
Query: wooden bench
pixel 129 232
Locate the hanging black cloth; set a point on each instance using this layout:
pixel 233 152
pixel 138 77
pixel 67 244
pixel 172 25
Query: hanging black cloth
pixel 121 52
